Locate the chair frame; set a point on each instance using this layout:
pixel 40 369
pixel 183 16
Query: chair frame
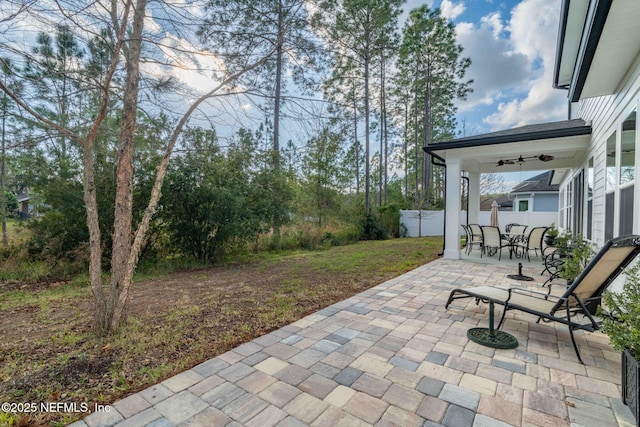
pixel 526 246
pixel 563 309
pixel 473 234
pixel 489 249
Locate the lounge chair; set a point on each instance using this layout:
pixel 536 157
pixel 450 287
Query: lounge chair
pixel 577 306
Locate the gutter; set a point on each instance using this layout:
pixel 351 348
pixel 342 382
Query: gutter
pixel 443 163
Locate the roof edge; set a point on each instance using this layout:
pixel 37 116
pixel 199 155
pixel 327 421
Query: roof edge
pixel 487 139
pixel 564 16
pixel 595 23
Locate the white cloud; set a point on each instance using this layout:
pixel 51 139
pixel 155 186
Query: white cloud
pixel 495 68
pixel 533 28
pixel 512 65
pixel 449 10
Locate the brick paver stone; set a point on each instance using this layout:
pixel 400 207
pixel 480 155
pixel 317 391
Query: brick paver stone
pixel 222 395
pixel 131 405
pixel 245 408
pixel 207 417
pixel 545 404
pixel 432 409
pixel 484 421
pixel 399 417
pixel 371 385
pixel 403 397
pixel 318 386
pixel 457 416
pixel 104 418
pixel 366 407
pixel 293 374
pixel 256 382
pixel 269 417
pixel 156 393
pixel 181 407
pixel 210 367
pixel 340 396
pixel 334 417
pixel 182 381
pixel 143 418
pixel 460 396
pixel 305 407
pixel 499 409
pixel 279 393
pixel 271 365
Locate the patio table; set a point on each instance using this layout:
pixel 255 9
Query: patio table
pixel 513 239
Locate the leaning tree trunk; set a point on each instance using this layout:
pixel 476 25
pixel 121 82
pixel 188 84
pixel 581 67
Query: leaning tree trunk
pixel 119 288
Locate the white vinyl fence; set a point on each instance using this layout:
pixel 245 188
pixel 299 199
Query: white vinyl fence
pixel 431 223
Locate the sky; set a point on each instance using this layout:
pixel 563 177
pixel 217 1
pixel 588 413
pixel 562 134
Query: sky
pixel 512 46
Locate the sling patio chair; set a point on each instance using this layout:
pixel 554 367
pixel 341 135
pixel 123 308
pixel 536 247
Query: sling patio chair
pixel 576 307
pixel 533 242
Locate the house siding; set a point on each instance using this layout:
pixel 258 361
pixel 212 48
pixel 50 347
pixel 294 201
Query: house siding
pixel 545 202
pixel 606 113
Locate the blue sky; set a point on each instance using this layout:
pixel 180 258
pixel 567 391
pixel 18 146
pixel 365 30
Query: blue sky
pixel 512 47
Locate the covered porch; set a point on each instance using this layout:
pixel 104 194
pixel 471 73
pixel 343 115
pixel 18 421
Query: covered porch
pixel 558 146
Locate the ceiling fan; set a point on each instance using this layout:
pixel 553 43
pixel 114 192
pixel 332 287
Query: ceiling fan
pixel 520 160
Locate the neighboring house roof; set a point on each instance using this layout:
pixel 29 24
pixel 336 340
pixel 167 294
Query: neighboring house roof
pixel 23 197
pixel 503 201
pixel 538 183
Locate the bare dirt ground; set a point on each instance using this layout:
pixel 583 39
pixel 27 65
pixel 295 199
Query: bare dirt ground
pixel 49 353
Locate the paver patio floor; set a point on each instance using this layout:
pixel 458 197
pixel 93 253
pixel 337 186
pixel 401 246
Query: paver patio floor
pixel 393 355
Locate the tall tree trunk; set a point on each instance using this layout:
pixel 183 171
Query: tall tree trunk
pixel 356 144
pixel 427 169
pixel 406 149
pixel 381 158
pixel 119 289
pixel 367 169
pixel 276 111
pixel 3 174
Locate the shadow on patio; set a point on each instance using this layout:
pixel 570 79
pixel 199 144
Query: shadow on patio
pixel 393 355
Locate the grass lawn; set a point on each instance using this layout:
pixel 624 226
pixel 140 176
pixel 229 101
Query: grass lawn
pixel 48 352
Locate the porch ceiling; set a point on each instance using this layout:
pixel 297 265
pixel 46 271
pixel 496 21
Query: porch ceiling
pixel 566 141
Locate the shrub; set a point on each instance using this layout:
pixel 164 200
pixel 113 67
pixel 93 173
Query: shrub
pixel 371 228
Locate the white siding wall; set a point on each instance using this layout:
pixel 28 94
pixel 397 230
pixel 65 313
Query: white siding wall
pixel 605 114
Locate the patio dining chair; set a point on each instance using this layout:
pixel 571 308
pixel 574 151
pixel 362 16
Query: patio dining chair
pixel 576 307
pixel 533 242
pixel 475 232
pixel 492 241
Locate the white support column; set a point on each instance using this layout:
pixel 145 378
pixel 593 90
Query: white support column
pixel 452 210
pixel 474 198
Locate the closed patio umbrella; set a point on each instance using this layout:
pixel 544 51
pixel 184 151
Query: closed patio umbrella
pixel 494 214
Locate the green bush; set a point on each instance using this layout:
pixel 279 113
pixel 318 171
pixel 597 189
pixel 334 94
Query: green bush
pixel 623 328
pixel 371 229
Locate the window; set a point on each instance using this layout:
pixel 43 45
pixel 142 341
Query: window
pixel 589 197
pixel 610 187
pixel 620 179
pixel 523 205
pixel 627 174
